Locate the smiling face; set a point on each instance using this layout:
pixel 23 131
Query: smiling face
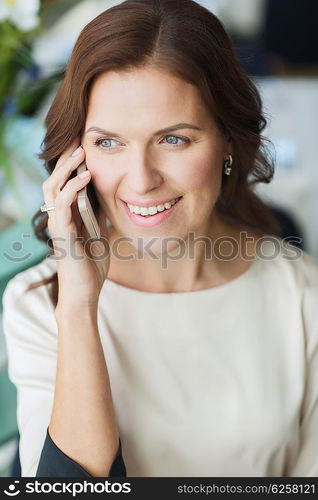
pixel 132 159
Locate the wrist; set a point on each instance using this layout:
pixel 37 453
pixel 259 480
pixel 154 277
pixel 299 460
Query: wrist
pixel 76 310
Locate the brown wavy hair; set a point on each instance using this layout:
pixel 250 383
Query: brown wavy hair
pixel 190 42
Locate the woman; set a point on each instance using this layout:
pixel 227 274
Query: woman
pixel 179 344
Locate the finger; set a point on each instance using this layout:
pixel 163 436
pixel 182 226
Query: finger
pixel 59 177
pixel 68 151
pixel 65 199
pixel 49 199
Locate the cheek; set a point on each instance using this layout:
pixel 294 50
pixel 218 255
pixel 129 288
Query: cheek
pixel 105 179
pixel 201 174
pixel 202 181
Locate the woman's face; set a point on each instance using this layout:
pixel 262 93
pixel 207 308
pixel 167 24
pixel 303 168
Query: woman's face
pixel 132 159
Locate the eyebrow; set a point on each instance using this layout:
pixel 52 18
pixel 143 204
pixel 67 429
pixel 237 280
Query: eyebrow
pixel 177 126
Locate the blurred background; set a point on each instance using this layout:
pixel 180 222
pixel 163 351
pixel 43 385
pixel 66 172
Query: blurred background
pixel 277 43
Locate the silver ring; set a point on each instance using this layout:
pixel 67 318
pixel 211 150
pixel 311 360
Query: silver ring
pixel 44 208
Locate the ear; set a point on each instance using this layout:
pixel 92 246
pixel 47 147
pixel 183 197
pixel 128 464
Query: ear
pixel 226 152
pixel 228 145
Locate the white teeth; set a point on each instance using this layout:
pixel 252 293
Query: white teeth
pixel 151 210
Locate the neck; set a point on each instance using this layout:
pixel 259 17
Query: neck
pixel 209 257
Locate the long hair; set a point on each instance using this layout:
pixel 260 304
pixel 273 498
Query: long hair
pixel 190 42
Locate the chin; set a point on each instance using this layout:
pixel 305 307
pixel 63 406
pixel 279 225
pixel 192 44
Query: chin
pixel 155 246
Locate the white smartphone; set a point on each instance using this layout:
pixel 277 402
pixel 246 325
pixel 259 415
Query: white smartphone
pixel 85 208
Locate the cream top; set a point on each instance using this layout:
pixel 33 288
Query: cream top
pixel 215 382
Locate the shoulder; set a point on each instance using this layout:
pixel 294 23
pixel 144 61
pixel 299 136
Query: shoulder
pixel 27 311
pixel 19 284
pixel 292 275
pixel 292 265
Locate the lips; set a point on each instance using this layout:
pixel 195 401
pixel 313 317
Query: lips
pixel 150 204
pixel 151 220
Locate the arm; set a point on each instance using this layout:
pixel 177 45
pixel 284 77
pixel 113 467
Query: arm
pixel 83 423
pixel 30 329
pixel 54 463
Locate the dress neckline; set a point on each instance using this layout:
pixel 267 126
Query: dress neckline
pixel 233 283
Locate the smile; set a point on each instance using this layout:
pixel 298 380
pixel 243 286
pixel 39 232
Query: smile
pixel 147 219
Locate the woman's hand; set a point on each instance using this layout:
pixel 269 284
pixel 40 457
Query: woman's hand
pixel 80 276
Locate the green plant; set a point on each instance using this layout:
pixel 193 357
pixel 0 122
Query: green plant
pixel 22 87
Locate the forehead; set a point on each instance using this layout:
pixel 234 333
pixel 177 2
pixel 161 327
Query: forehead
pixel 144 92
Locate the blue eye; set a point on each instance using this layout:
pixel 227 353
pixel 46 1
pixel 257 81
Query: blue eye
pixel 99 142
pixel 174 137
pixel 105 144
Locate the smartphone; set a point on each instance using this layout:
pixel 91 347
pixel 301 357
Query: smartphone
pixel 86 197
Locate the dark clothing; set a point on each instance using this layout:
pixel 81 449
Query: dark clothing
pixel 54 463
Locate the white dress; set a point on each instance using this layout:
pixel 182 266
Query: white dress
pixel 217 382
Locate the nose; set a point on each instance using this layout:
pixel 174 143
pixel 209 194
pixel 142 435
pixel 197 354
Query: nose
pixel 143 174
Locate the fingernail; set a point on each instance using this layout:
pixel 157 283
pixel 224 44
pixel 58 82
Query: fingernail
pixel 84 174
pixel 77 151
